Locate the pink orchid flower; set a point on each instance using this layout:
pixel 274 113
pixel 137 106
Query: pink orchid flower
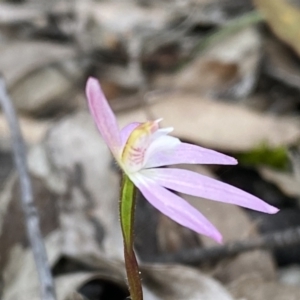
pixel 142 148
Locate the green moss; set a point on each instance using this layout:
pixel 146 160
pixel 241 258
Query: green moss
pixel 264 155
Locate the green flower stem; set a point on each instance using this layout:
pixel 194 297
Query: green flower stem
pixel 127 208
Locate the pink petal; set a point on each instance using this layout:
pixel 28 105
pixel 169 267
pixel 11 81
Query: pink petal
pixel 103 115
pixel 189 154
pixel 126 131
pixel 176 208
pixel 192 183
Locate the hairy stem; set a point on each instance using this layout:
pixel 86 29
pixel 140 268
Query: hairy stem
pixel 127 209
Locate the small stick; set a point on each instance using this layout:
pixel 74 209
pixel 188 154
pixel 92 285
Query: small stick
pixel 195 256
pixel 29 209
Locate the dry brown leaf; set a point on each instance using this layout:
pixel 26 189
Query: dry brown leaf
pixel 20 275
pixel 55 92
pixel 123 17
pixel 67 285
pixel 223 69
pixel 108 24
pixel 33 131
pixel 280 64
pixel 215 12
pixel 283 16
pixel 76 296
pixel 286 182
pixel 13 233
pixel 13 14
pixel 215 124
pixel 290 275
pixel 174 282
pixel 35 84
pixel 16 64
pixel 254 288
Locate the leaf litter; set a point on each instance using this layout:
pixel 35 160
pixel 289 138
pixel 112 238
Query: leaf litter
pixel 47 52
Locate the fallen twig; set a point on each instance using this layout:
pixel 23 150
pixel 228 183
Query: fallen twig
pixel 200 255
pixel 29 209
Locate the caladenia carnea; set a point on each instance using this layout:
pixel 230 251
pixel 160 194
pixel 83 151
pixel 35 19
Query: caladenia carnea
pixel 141 150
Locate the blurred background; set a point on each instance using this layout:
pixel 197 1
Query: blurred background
pixel 224 73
